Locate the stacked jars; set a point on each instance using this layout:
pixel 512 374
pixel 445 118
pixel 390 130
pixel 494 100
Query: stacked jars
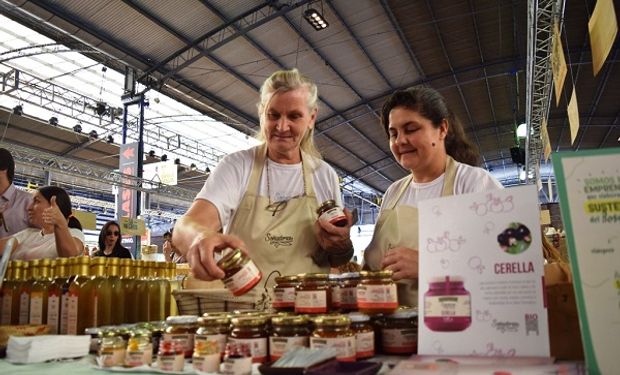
pixel 313 294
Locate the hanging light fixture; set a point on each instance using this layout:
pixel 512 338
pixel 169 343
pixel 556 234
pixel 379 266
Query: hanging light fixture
pixel 53 121
pixel 316 19
pixel 18 110
pixel 77 128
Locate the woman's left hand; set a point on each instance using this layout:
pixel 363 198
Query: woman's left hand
pixel 403 261
pixel 333 238
pixel 52 215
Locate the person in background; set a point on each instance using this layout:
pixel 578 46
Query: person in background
pixel 53 232
pixel 13 202
pixel 171 254
pixel 110 242
pixel 428 140
pixel 265 198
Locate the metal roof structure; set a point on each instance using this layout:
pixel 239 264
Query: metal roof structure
pixel 213 55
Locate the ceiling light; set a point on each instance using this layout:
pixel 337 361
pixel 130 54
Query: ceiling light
pixel 77 128
pixel 315 19
pixel 93 134
pixel 522 130
pixel 164 157
pixel 192 167
pixel 110 139
pixel 53 121
pixel 151 154
pixel 101 108
pixel 18 110
pixel 522 175
pixel 208 170
pixel 177 161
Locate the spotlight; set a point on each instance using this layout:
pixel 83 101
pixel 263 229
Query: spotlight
pixel 77 128
pixel 101 108
pixel 151 154
pixel 93 134
pixel 315 19
pixel 53 121
pixel 208 170
pixel 192 167
pixel 177 161
pixel 164 157
pixel 110 139
pixel 18 110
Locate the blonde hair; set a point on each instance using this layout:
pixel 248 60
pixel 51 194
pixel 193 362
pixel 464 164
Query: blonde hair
pixel 283 81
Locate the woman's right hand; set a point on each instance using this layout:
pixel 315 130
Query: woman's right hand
pixel 200 255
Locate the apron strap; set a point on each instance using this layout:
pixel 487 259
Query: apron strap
pixel 257 169
pixel 449 177
pixel 307 174
pixel 404 188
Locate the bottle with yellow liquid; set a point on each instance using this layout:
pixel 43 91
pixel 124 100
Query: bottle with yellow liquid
pixel 129 285
pixel 143 291
pixel 72 272
pixel 171 275
pixel 117 309
pixel 30 274
pixel 79 303
pixel 164 291
pixel 155 303
pixel 54 295
pixel 18 280
pixel 39 293
pixel 8 289
pixel 100 292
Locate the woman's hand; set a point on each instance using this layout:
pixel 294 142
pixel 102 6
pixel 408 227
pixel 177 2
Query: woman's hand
pixel 200 255
pixel 53 217
pixel 332 238
pixel 403 261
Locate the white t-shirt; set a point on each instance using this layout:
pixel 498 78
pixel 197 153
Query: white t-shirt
pixel 35 245
pixel 468 180
pixel 228 182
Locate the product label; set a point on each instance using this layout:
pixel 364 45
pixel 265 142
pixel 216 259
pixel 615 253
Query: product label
pixel 36 308
pixel 399 340
pixel 447 306
pixel 206 363
pixel 345 346
pixel 53 312
pixel 365 344
pixel 258 347
pixel 219 338
pixel 111 357
pixel 64 314
pixel 24 307
pixel 244 279
pixel 136 358
pixel 236 366
pixel 377 296
pixel 336 296
pixel 348 297
pixel 186 340
pixel 283 297
pixel 171 362
pixel 7 300
pixel 278 346
pixel 333 215
pixel 311 301
pixel 72 314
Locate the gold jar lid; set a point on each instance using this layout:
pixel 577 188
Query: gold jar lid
pixel 290 320
pixel 350 275
pixel 249 321
pixel 45 262
pixel 210 321
pixel 326 206
pixel 98 261
pixel 332 320
pixel 113 261
pixel 313 276
pixel 288 278
pixel 403 312
pixel 383 274
pixel 231 259
pixel 181 319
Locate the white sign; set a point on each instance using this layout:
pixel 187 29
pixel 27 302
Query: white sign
pixel 481 275
pixel 164 172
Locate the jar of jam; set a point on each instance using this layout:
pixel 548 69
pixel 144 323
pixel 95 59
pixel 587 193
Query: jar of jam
pixel 206 357
pixel 251 331
pixel 237 360
pixel 348 291
pixel 139 349
pixel 111 350
pixel 447 305
pixel 334 283
pixel 284 293
pixel 399 333
pixel 330 212
pixel 213 328
pixel 313 294
pixel 170 356
pixel 287 332
pixel 181 329
pixel 364 335
pixel 334 331
pixel 376 292
pixel 241 274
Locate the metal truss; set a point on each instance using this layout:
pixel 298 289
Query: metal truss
pixel 541 15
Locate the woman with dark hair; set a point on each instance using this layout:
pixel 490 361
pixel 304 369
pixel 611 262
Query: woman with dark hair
pixel 53 232
pixel 110 242
pixel 428 140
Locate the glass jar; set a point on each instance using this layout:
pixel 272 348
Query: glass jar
pixel 330 212
pixel 251 331
pixel 170 356
pixel 376 292
pixel 207 355
pixel 333 331
pixel 313 294
pixel 348 291
pixel 241 273
pixel 288 332
pixel 182 329
pixel 334 283
pixel 213 328
pixel 284 293
pixel 157 329
pixel 399 333
pixel 237 360
pixel 447 305
pixel 139 349
pixel 364 335
pixel 111 350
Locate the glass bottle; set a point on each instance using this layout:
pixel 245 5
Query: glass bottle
pixel 54 294
pixel 72 271
pixel 80 304
pixel 129 284
pixel 142 290
pixel 100 292
pixel 39 293
pixel 9 292
pixel 171 275
pixel 30 274
pixel 117 309
pixel 153 287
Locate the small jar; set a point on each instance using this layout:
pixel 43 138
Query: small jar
pixel 237 360
pixel 251 331
pixel 157 333
pixel 399 333
pixel 313 294
pixel 364 335
pixel 348 291
pixel 284 293
pixel 241 274
pixel 111 350
pixel 333 331
pixel 182 328
pixel 139 349
pixel 206 357
pixel 213 328
pixel 96 333
pixel 288 332
pixel 170 356
pixel 447 305
pixel 334 283
pixel 330 212
pixel 376 292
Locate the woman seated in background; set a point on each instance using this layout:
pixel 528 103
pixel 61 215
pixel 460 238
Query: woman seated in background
pixel 53 232
pixel 110 242
pixel 171 254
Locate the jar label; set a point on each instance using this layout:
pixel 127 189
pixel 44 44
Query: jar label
pixel 365 344
pixel 111 357
pixel 53 310
pixel 137 358
pixel 377 296
pixel 447 306
pixel 236 366
pixel 24 305
pixel 336 296
pixel 311 301
pixel 7 300
pixel 186 340
pixel 244 279
pixel 344 346
pixel 278 346
pixel 333 215
pixel 258 347
pixel 219 338
pixel 206 363
pixel 171 362
pixel 399 340
pixel 36 308
pixel 348 297
pixel 72 314
pixel 64 314
pixel 283 297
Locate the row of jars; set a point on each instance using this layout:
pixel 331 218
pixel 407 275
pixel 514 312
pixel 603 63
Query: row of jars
pixel 369 292
pixel 70 294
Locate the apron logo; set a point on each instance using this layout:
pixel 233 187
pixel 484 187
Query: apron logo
pixel 277 241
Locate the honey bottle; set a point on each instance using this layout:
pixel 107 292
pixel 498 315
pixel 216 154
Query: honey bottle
pixel 164 291
pixel 54 295
pixel 129 285
pixel 117 305
pixel 142 288
pixel 9 292
pixel 39 293
pixel 100 293
pixel 30 274
pixel 155 306
pixel 72 272
pixel 171 275
pixel 80 305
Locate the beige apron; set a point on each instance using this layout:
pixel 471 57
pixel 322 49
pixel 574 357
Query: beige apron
pixel 283 241
pixel 398 226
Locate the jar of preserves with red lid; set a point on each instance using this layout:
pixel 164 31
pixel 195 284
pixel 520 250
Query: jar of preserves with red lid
pixel 399 333
pixel 348 291
pixel 288 332
pixel 313 294
pixel 181 329
pixel 252 331
pixel 330 212
pixel 241 273
pixel 376 292
pixel 364 335
pixel 333 331
pixel 213 328
pixel 284 293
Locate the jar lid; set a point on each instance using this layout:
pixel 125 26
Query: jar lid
pixel 383 274
pixel 328 203
pixel 230 259
pixel 288 278
pixel 358 317
pixel 213 320
pixel 314 276
pixel 335 276
pixel 350 275
pixel 94 331
pixel 249 321
pixel 291 320
pixel 140 333
pixel 216 314
pixel 332 320
pixel 403 313
pixel 445 279
pixel 182 319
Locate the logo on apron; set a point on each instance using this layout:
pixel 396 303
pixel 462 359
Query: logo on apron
pixel 277 241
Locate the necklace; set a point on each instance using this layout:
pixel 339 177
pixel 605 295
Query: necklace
pixel 275 207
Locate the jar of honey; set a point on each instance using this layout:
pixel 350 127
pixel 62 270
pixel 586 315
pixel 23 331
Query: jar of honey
pixel 251 331
pixel 364 335
pixel 334 331
pixel 287 332
pixel 213 328
pixel 181 329
pixel 284 293
pixel 313 294
pixel 112 349
pixel 376 292
pixel 241 273
pixel 399 333
pixel 330 212
pixel 139 348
